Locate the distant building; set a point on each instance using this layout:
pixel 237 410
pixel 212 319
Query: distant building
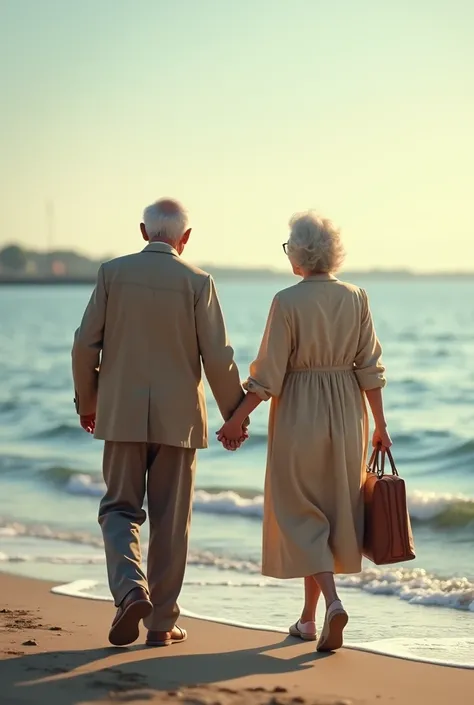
pixel 58 268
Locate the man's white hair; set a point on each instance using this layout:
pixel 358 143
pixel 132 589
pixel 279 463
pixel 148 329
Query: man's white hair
pixel 315 243
pixel 165 219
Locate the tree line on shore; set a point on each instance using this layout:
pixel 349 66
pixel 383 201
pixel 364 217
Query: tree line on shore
pixel 17 261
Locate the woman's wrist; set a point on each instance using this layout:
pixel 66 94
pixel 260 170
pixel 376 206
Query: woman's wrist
pixel 238 420
pixel 235 419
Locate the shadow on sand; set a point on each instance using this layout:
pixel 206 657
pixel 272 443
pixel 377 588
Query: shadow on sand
pixel 72 677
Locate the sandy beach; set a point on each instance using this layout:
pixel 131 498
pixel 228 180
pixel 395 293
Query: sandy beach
pixel 54 651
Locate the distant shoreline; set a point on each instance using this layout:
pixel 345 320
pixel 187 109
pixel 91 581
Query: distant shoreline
pixel 45 281
pixel 240 275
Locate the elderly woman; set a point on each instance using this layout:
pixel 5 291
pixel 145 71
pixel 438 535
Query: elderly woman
pixel 318 359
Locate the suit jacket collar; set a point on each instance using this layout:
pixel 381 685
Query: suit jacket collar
pixel 161 247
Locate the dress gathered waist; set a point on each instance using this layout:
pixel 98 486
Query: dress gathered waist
pixel 334 368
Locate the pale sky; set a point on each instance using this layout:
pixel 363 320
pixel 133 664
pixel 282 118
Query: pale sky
pixel 245 110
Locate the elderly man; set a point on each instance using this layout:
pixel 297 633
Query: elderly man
pixel 150 323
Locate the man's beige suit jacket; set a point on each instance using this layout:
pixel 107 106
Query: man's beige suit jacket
pixel 152 323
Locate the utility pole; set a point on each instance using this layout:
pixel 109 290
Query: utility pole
pixel 49 234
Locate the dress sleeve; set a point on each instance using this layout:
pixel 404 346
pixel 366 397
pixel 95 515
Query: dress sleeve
pixel 368 364
pixel 268 371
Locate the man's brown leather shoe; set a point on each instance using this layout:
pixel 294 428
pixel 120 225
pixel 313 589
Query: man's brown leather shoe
pixel 133 608
pixel 174 636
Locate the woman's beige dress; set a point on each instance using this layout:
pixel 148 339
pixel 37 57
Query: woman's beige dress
pixel 318 352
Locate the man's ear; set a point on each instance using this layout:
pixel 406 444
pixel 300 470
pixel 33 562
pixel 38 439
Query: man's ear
pixel 185 237
pixel 144 232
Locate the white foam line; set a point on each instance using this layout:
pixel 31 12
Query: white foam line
pixel 76 588
pixel 231 623
pixel 367 647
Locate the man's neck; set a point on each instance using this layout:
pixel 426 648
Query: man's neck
pixel 162 241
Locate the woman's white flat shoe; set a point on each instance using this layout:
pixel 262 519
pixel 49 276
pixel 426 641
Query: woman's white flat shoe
pixel 304 630
pixel 336 619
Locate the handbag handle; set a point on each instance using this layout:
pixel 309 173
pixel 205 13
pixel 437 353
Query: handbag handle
pixel 377 462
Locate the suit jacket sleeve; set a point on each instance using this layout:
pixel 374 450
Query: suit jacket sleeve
pixel 216 352
pixel 88 341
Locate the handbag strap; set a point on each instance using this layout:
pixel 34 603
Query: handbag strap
pixel 377 462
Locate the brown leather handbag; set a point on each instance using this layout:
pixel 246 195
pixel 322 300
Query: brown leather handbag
pixel 388 536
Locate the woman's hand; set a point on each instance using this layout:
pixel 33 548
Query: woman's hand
pixel 231 435
pixel 381 438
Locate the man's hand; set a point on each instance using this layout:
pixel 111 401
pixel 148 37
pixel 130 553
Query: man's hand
pixel 88 423
pixel 233 445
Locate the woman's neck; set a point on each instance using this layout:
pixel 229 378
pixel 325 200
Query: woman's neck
pixel 316 275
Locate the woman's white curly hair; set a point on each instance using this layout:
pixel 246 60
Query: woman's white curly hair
pixel 315 243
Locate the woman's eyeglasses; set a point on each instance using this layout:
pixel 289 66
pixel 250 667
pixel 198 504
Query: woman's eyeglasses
pixel 285 248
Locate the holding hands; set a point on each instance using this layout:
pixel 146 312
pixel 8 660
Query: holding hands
pixel 232 434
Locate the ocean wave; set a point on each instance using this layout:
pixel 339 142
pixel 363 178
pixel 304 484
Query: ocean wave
pixel 8 406
pixel 418 587
pixel 60 474
pixel 61 431
pixel 51 559
pixel 12 463
pixel 415 586
pixel 441 510
pixel 11 529
pixel 420 454
pixel 14 529
pixel 84 485
pixel 196 558
pixel 435 450
pixel 208 559
pixel 255 439
pixel 465 448
pixel 228 503
pixel 457 450
pixel 225 502
pixel 410 385
pixel 438 510
pixel 199 560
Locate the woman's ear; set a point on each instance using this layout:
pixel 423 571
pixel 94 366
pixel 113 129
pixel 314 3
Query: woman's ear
pixel 296 270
